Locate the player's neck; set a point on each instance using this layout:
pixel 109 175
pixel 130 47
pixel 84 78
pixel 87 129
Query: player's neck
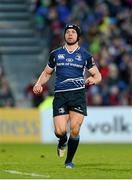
pixel 71 47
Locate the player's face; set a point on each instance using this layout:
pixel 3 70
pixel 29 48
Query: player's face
pixel 71 36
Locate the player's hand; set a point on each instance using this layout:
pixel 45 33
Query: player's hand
pixel 37 89
pixel 90 81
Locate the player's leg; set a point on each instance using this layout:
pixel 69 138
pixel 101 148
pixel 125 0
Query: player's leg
pixel 61 117
pixel 76 120
pixel 60 124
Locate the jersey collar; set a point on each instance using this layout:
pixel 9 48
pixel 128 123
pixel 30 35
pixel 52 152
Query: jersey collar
pixel 64 47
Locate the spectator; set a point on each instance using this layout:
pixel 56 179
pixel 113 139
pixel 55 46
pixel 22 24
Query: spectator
pixel 6 96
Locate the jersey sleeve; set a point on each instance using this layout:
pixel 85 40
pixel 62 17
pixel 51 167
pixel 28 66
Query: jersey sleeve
pixel 90 62
pixel 51 62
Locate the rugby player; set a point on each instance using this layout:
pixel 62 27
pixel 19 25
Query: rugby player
pixel 69 105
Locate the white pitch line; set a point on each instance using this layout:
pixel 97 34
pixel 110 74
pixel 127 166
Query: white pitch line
pixel 25 173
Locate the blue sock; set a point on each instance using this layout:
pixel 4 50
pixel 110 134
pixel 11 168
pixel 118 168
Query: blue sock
pixel 72 147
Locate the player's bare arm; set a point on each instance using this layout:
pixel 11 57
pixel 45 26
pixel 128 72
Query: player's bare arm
pixel 44 77
pixel 95 76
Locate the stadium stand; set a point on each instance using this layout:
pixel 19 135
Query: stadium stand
pixel 19 46
pixel 30 29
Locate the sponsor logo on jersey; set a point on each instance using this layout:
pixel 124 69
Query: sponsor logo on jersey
pixel 78 57
pixel 69 60
pixel 61 56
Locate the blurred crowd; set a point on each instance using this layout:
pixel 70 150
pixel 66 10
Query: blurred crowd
pixel 106 33
pixel 6 96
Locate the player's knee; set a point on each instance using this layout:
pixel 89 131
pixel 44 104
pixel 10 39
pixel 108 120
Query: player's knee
pixel 60 133
pixel 75 132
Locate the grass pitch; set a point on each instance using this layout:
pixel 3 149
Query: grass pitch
pixel 39 161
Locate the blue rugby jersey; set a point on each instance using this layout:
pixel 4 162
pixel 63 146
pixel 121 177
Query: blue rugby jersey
pixel 70 68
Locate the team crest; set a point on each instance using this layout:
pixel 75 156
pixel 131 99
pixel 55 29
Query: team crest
pixel 78 57
pixel 61 110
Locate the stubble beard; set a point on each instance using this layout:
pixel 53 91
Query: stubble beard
pixel 71 43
